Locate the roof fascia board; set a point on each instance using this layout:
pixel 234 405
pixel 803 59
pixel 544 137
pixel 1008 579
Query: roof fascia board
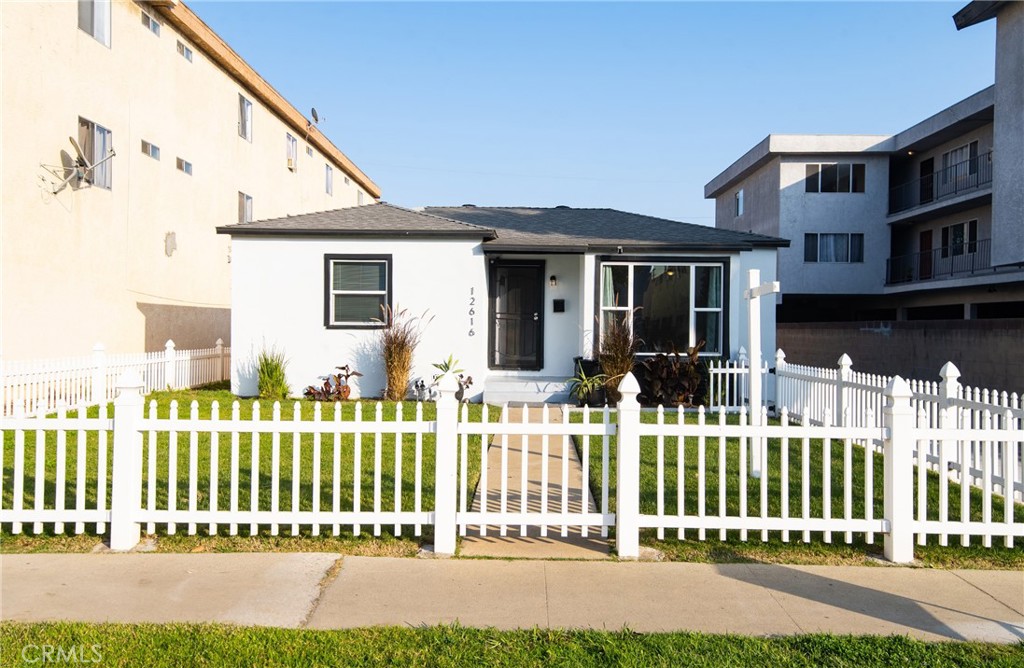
pixel 976 12
pixel 192 27
pixel 239 231
pixel 935 123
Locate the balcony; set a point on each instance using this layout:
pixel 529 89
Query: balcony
pixel 962 178
pixel 957 261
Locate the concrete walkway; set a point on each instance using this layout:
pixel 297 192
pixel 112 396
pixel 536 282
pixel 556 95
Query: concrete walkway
pixel 326 591
pixel 533 545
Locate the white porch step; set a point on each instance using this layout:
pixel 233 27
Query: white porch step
pixel 531 389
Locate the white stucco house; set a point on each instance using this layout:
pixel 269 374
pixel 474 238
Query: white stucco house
pixel 515 294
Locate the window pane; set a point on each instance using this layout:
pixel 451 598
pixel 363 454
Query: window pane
pixel 833 248
pixel 829 178
pixel 956 241
pixel 843 171
pixel 663 292
pixel 614 285
pixel 707 291
pixel 709 328
pixel 856 248
pixel 811 180
pixel 85 15
pixel 858 177
pixel 810 248
pixel 360 276
pixel 358 308
pixel 609 318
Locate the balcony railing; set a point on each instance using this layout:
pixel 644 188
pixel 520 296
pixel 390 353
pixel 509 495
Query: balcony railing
pixel 945 183
pixel 953 261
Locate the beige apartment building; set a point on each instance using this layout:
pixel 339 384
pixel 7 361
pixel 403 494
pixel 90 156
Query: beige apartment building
pixel 177 135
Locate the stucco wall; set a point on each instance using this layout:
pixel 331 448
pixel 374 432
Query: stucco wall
pixel 760 203
pixel 1008 161
pixel 801 212
pixel 987 352
pixel 89 264
pixel 284 308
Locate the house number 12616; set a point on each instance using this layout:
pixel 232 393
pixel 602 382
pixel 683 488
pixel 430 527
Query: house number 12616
pixel 472 311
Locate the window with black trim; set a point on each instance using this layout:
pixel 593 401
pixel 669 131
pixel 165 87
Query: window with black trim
pixel 833 247
pixel 960 238
pixel 357 290
pixel 835 177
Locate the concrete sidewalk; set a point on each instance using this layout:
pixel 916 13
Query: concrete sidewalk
pixel 327 591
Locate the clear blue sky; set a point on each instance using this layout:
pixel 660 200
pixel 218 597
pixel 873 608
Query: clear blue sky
pixel 631 106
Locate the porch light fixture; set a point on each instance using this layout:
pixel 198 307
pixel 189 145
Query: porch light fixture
pixel 553 281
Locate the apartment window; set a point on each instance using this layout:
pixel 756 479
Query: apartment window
pixel 357 288
pixel 959 239
pixel 833 247
pixel 152 150
pixel 244 118
pixel 151 24
pixel 184 51
pixel 244 208
pixel 739 202
pixel 672 306
pixel 94 18
pixel 97 142
pixel 292 150
pixel 359 198
pixel 329 179
pixel 842 177
pixel 309 151
pixel 186 166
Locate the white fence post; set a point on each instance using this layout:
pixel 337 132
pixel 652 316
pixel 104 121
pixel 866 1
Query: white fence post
pixel 99 374
pixel 627 489
pixel 170 379
pixel 781 400
pixel 843 379
pixel 949 388
pixel 445 466
pixel 899 471
pixel 219 348
pixel 127 471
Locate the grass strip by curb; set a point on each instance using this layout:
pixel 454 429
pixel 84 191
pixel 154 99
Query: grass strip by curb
pixel 178 644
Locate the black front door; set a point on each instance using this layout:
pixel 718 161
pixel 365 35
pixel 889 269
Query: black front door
pixel 517 315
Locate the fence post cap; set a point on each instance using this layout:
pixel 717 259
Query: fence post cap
pixel 898 388
pixel 219 343
pixel 169 345
pixel 949 372
pixel 845 361
pixel 130 379
pixel 780 355
pixel 629 386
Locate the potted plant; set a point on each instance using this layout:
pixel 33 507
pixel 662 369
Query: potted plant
pixel 588 389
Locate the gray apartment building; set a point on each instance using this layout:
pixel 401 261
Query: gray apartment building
pixel 924 224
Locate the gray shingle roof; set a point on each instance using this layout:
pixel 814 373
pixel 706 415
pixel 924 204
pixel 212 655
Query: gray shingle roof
pixel 564 229
pixel 379 219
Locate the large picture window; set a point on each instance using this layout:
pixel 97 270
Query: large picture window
pixel 672 305
pixel 357 288
pixel 833 248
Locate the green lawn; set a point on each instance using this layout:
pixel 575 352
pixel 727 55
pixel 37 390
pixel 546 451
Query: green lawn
pixel 185 645
pixel 303 474
pixel 795 551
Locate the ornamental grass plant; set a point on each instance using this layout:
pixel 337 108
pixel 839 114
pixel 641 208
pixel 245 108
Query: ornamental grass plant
pixel 618 352
pixel 398 339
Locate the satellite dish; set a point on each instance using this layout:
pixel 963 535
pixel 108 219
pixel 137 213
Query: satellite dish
pixel 82 162
pixel 316 118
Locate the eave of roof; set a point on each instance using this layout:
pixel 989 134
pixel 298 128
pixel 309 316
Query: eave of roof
pixel 191 26
pixel 977 12
pixel 779 144
pixel 371 220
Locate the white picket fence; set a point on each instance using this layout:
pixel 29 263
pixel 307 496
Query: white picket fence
pixel 308 475
pixel 43 385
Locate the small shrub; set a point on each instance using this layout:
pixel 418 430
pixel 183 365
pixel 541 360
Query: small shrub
pixel 335 387
pixel 272 380
pixel 618 353
pixel 674 379
pixel 398 340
